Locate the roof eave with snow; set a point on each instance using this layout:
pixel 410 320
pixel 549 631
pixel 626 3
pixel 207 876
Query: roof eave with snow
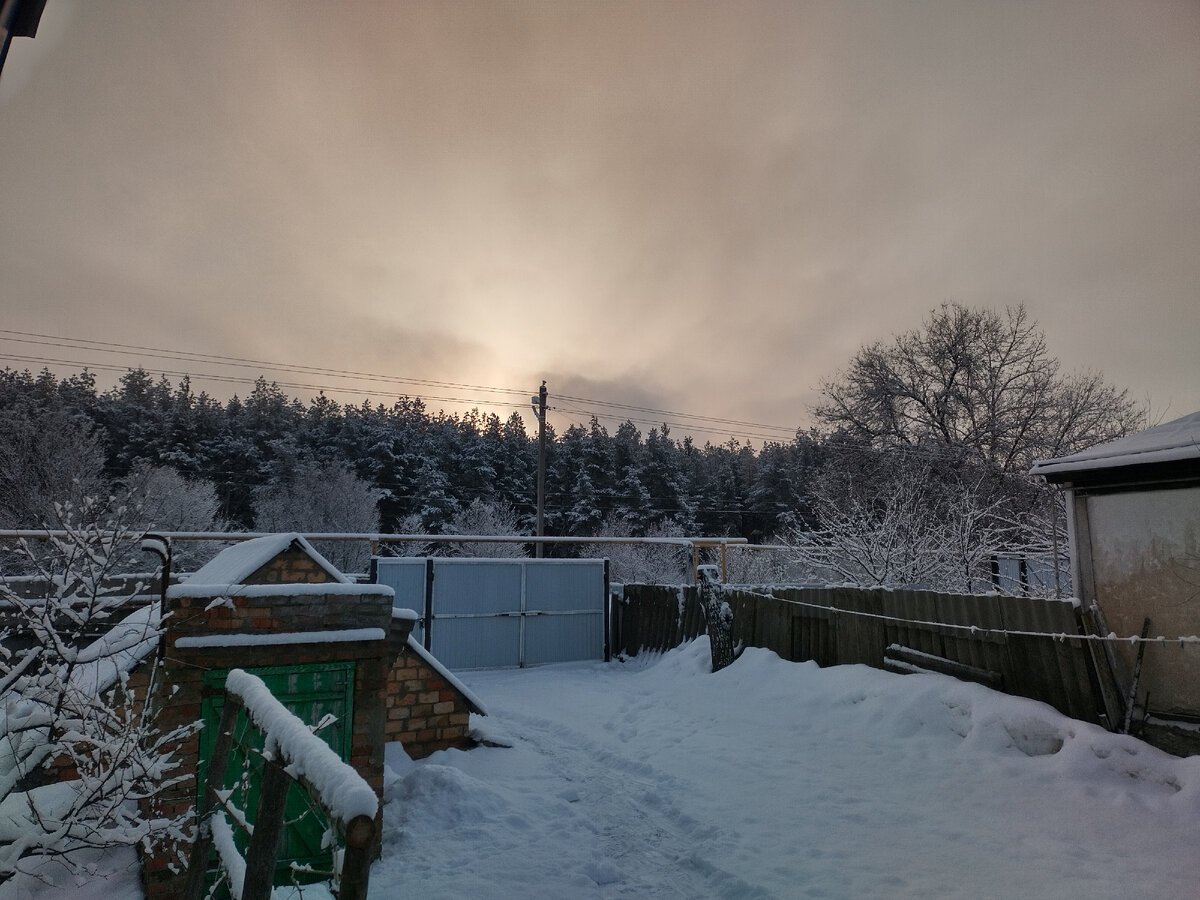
pixel 1168 452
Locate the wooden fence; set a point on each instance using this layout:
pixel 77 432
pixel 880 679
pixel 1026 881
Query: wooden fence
pixel 654 617
pixel 1020 645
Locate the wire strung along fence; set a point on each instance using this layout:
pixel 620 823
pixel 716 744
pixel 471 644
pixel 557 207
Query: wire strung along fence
pixel 291 752
pixel 1021 645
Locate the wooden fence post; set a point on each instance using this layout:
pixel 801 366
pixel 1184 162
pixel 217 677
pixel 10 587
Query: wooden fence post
pixel 198 861
pixel 356 862
pixel 268 831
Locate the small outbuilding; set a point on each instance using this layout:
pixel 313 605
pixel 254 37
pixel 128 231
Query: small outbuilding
pixel 1134 518
pixel 330 650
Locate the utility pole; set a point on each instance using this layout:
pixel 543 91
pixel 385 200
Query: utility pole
pixel 539 410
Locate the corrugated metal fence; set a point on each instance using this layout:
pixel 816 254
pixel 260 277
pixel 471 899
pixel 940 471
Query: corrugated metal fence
pixel 498 613
pixel 977 637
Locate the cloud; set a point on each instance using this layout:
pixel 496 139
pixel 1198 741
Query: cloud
pixel 708 210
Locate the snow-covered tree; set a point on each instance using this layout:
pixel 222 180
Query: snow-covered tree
pixel 322 498
pixel 907 519
pixel 68 642
pixel 644 562
pixel 483 518
pixel 161 499
pixel 47 456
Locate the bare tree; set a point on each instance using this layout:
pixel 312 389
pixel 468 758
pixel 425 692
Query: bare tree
pixel 974 379
pixel 645 562
pixel 483 518
pixel 46 458
pixel 69 704
pixel 322 498
pixel 161 499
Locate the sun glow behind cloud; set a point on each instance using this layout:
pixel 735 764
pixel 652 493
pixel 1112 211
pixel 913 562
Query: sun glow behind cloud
pixel 706 207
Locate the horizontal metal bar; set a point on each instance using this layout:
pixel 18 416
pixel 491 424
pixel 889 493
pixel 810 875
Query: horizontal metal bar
pixel 516 614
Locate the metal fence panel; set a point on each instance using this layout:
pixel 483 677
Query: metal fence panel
pixel 486 642
pixel 494 613
pixel 564 638
pixel 406 576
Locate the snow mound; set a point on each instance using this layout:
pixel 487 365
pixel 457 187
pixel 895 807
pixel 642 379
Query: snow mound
pixel 446 798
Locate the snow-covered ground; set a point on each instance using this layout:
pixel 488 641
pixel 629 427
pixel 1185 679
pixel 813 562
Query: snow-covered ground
pixel 656 778
pixel 774 779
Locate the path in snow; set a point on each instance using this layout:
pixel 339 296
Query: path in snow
pixel 777 780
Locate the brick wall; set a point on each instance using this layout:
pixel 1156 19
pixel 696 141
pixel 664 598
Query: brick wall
pixel 292 566
pixel 425 712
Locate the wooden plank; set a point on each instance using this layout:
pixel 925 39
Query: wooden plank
pixel 743 606
pixel 907 660
pixel 811 627
pixel 1100 668
pixel 1060 669
pixel 773 626
pixel 1029 671
pixel 356 861
pixel 1039 671
pixel 1086 701
pixel 860 638
pixel 828 632
pixel 980 649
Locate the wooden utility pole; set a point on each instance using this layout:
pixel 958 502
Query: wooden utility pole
pixel 540 412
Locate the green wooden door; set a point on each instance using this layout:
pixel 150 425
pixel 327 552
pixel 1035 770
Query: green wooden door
pixel 311 692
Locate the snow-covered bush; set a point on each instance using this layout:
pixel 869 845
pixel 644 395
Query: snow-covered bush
pixel 907 520
pixel 70 708
pixel 163 500
pixel 745 566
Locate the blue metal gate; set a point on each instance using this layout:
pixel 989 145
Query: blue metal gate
pixel 502 613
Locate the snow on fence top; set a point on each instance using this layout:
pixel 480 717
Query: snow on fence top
pixel 341 790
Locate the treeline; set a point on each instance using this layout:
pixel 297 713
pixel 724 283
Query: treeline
pixel 919 478
pixel 425 467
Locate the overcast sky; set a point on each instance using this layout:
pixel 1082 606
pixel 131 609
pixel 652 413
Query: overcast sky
pixel 703 207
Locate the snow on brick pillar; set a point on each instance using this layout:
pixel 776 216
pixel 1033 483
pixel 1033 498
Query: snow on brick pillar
pixel 271 602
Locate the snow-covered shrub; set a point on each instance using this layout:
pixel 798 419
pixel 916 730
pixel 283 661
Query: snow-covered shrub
pixel 908 520
pixel 163 500
pixel 70 708
pixel 745 566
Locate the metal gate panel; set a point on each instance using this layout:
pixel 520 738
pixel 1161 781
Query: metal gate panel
pixel 503 613
pixel 405 575
pixel 477 607
pixel 564 615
